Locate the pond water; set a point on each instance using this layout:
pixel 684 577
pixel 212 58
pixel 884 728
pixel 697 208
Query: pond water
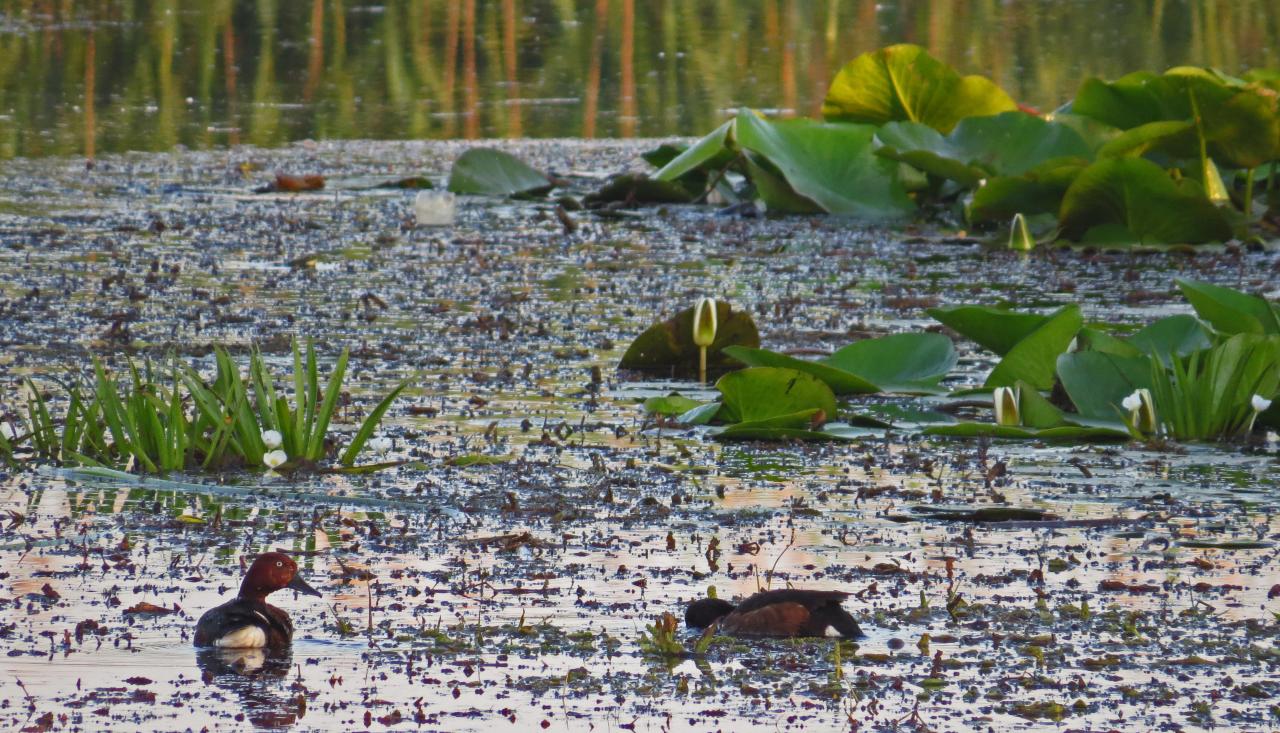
pixel 87 77
pixel 514 593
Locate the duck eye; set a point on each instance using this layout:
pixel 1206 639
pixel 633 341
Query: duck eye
pixel 279 564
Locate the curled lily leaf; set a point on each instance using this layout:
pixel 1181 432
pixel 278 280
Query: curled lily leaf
pixel 1006 404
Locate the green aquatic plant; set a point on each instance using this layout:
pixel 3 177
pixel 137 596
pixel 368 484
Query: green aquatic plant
pixel 704 332
pixel 1217 394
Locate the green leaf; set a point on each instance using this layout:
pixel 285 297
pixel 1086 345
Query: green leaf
pixel 839 380
pixel 1097 382
pixel 711 151
pixel 1231 311
pixel 667 346
pixel 910 363
pixel 1060 434
pixel 1139 200
pixel 904 82
pixel 761 393
pixel 1178 335
pixel 1036 411
pixel 831 164
pixel 488 172
pixel 672 404
pixel 1038 191
pixel 1032 360
pixel 995 329
pixel 369 425
pixel 904 362
pixel 1007 144
pixel 756 431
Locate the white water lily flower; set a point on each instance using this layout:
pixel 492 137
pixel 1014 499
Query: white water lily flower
pixel 380 446
pixel 1132 403
pixel 1260 403
pixel 272 439
pixel 11 433
pixel 1006 404
pixel 274 459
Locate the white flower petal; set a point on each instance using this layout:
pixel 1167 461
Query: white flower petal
pixel 1260 403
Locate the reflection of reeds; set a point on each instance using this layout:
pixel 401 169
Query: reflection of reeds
pixel 416 67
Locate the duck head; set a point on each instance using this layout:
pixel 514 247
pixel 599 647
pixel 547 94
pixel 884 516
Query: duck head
pixel 271 572
pixel 706 611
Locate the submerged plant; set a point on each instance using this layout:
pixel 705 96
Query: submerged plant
pixel 659 638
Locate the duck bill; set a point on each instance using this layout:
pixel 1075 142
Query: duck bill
pixel 302 586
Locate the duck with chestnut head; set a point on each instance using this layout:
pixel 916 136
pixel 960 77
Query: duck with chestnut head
pixel 248 621
pixel 780 613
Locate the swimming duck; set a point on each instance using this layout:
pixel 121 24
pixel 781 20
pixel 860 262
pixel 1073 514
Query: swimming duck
pixel 776 613
pixel 249 621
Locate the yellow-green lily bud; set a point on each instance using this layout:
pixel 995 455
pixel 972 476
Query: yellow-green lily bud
pixel 704 322
pixel 1019 235
pixel 1006 404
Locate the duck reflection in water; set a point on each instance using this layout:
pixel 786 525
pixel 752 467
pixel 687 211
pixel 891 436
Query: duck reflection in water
pixel 257 677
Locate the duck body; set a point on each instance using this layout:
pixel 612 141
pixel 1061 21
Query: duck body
pixel 777 613
pixel 248 621
pixel 244 623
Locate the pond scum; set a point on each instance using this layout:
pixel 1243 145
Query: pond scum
pixel 1046 476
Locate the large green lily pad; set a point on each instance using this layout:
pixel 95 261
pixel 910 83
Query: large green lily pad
pixel 1231 311
pixel 1033 358
pixel 910 363
pixel 1097 382
pixel 831 164
pixel 760 394
pixel 1134 200
pixel 488 172
pixel 1037 191
pixel 668 347
pixel 1007 144
pixel 904 82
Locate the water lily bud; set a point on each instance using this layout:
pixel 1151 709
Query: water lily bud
pixel 1260 403
pixel 1019 235
pixel 1006 404
pixel 274 459
pixel 704 322
pixel 272 439
pixel 380 446
pixel 1146 421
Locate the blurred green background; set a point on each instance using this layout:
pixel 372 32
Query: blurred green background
pixel 82 77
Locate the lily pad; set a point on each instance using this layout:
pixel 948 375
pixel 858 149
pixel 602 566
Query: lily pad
pixel 756 431
pixel 1231 311
pixel 765 393
pixel 488 172
pixel 995 329
pixel 1007 144
pixel 1032 359
pixel 910 363
pixel 1097 382
pixel 904 82
pixel 672 404
pixel 667 346
pixel 1135 200
pixel 1038 191
pixel 831 164
pixel 1060 434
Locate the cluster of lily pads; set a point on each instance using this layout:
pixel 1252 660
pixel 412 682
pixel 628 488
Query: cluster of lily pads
pixel 1148 159
pixel 1214 376
pixel 171 417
